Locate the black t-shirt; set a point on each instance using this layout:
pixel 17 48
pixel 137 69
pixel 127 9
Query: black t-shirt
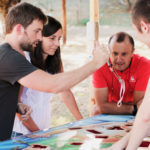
pixel 13 66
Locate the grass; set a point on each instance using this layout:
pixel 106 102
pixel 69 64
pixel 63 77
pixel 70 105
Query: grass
pixel 114 19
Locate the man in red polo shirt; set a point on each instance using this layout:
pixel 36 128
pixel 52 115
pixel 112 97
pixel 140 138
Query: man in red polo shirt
pixel 119 85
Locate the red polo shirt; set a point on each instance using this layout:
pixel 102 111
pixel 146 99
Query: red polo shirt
pixel 135 77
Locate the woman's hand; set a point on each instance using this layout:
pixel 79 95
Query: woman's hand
pixel 24 110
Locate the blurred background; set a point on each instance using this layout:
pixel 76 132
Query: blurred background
pixel 114 16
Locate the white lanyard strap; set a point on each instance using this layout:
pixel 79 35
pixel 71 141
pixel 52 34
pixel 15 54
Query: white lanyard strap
pixel 122 83
pixel 122 91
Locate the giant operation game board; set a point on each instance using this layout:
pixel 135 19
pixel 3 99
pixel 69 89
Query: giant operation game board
pixel 98 132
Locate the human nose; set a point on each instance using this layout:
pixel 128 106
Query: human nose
pixel 57 43
pixel 39 35
pixel 119 58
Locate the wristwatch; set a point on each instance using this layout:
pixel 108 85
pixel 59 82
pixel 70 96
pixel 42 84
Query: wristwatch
pixel 134 110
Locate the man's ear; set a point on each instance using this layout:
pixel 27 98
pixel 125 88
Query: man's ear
pixel 145 27
pixel 19 29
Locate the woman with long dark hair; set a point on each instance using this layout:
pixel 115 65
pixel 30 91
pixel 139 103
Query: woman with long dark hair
pixel 46 56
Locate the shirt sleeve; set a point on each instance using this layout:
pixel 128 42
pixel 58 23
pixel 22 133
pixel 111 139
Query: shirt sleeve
pixel 143 73
pixel 14 66
pixel 98 79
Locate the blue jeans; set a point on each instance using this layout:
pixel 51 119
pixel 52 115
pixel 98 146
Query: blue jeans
pixel 15 134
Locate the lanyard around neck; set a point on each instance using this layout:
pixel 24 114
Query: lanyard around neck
pixel 121 81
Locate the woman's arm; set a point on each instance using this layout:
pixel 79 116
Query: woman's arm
pixel 29 124
pixel 69 100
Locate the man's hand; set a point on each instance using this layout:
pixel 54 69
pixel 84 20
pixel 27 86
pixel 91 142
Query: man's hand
pixel 100 54
pixel 25 111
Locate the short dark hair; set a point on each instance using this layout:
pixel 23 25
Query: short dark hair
pixel 140 11
pixel 52 64
pixel 24 14
pixel 121 36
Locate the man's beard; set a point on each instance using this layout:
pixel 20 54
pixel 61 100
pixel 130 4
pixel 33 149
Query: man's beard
pixel 26 47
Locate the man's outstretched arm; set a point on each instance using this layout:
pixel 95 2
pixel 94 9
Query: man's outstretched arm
pixel 43 81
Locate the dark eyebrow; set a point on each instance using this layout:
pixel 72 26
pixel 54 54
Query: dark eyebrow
pixel 38 29
pixel 53 35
